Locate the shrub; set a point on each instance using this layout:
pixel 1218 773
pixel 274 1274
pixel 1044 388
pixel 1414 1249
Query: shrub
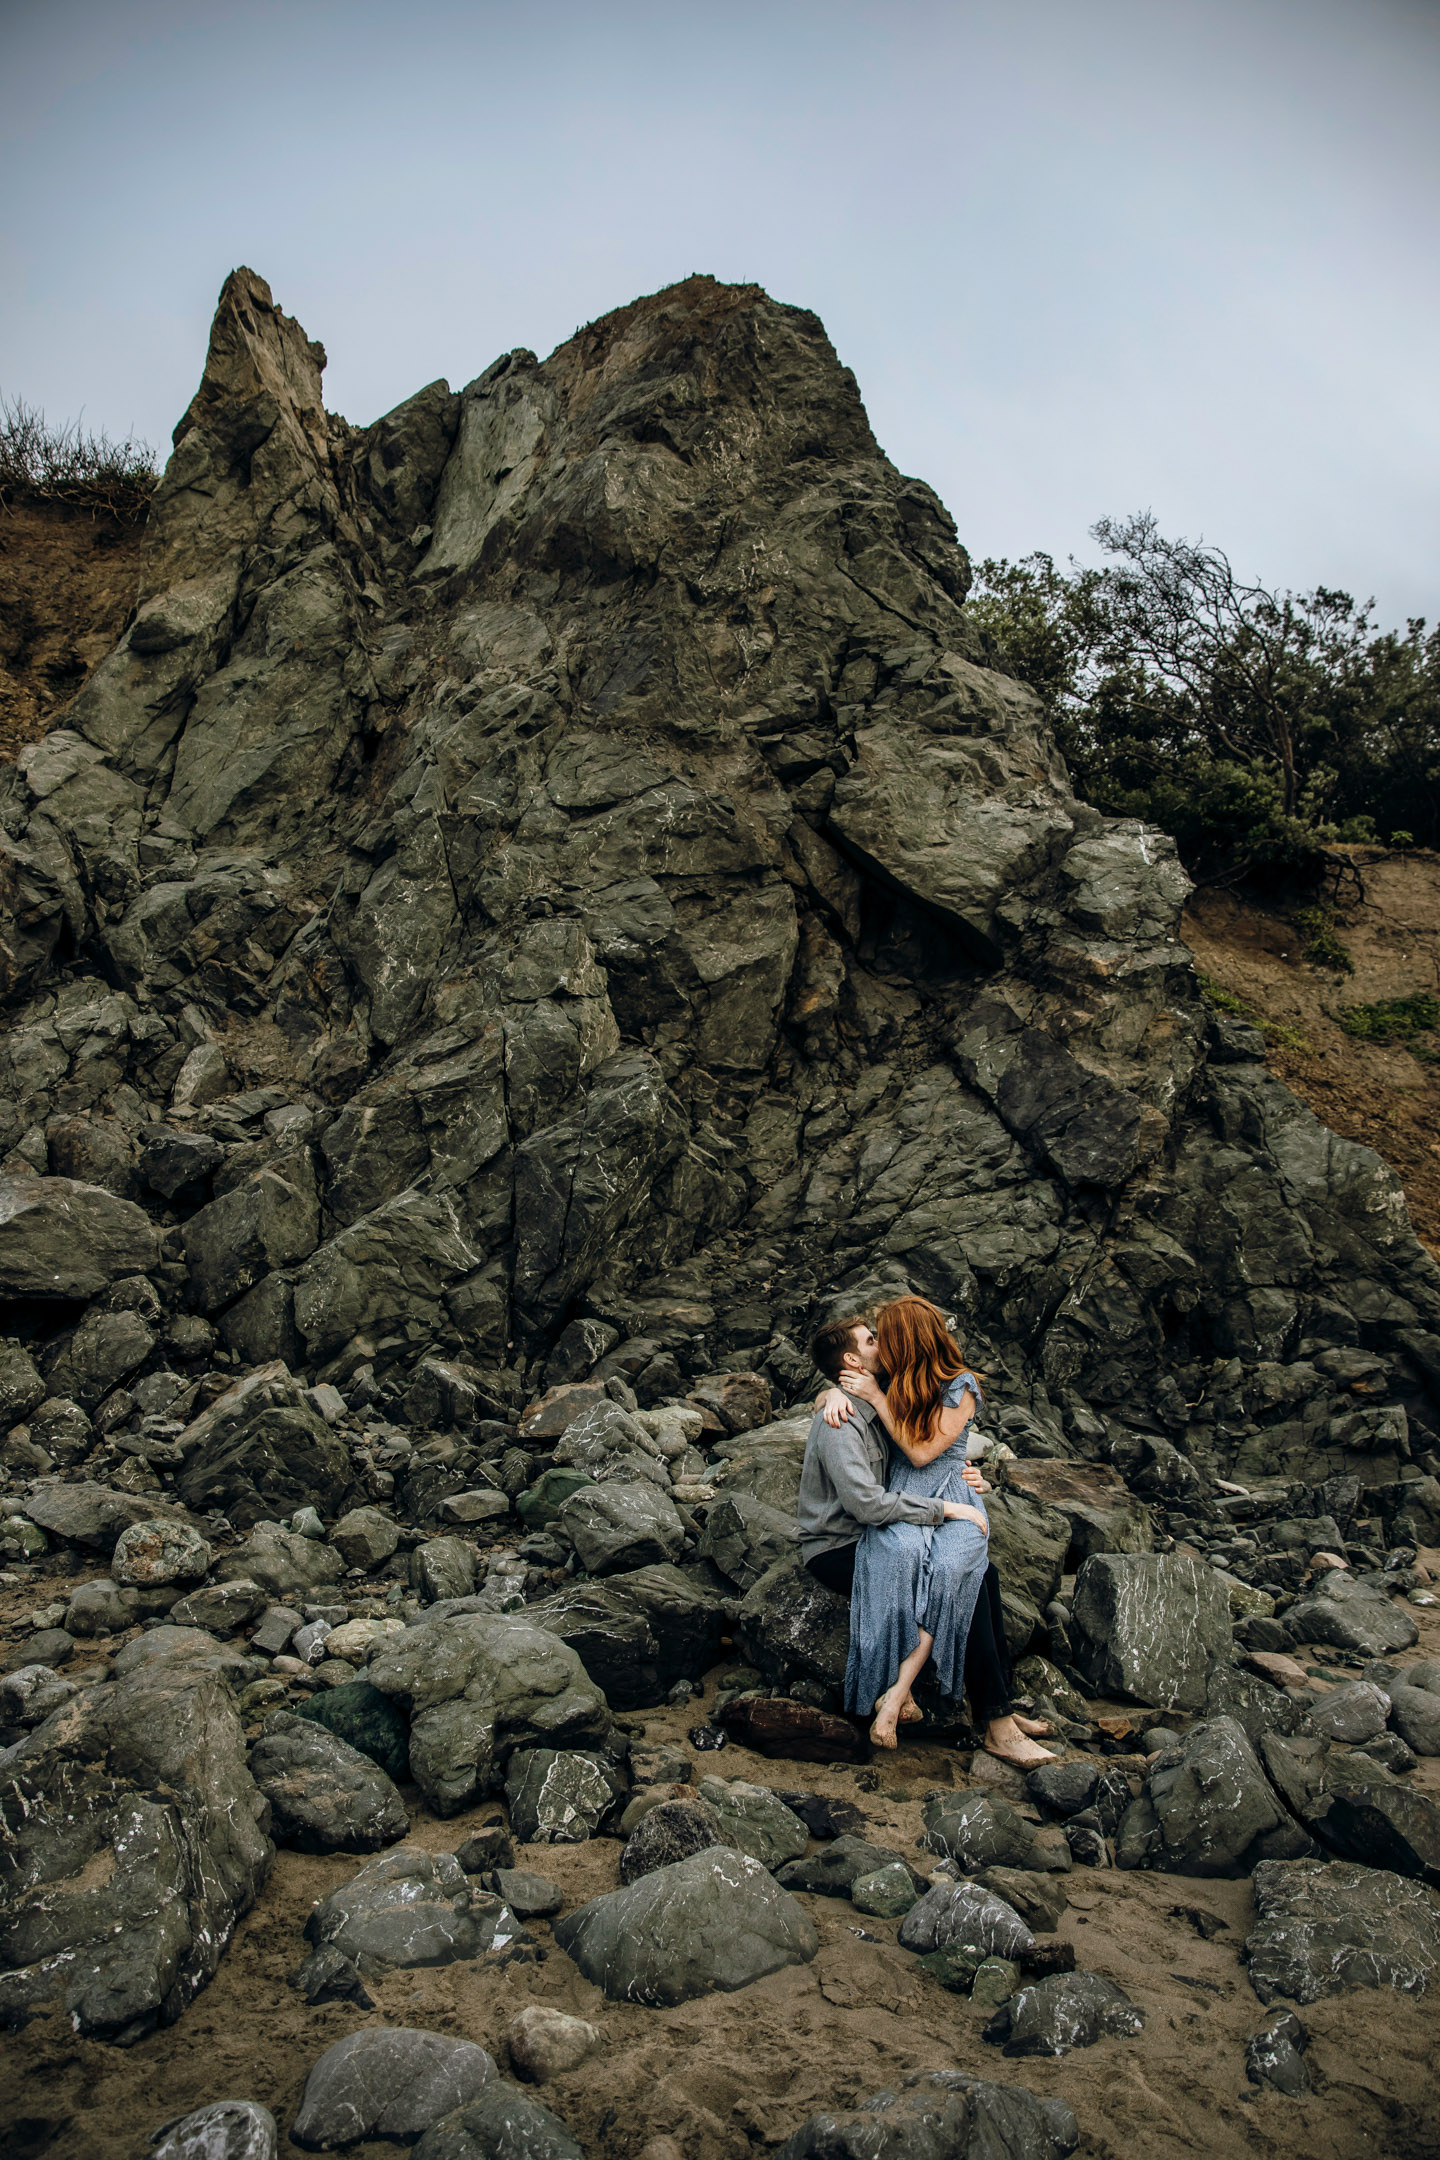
pixel 70 464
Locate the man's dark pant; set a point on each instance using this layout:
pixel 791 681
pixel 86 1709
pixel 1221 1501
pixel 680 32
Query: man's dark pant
pixel 987 1656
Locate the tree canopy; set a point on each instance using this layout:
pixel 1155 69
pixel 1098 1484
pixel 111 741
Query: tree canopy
pixel 1254 724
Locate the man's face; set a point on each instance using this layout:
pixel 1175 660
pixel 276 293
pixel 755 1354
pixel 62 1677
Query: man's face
pixel 864 1343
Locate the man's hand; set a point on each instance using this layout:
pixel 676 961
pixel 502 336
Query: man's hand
pixel 954 1512
pixel 833 1405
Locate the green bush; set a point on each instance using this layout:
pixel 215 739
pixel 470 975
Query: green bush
pixel 45 464
pixel 1406 1021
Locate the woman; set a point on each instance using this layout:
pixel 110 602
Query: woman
pixel 928 1596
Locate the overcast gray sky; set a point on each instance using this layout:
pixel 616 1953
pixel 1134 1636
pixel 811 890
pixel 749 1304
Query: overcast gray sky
pixel 1084 258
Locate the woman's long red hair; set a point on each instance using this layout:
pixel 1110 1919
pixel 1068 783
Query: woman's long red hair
pixel 922 1357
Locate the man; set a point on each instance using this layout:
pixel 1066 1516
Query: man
pixel 843 1491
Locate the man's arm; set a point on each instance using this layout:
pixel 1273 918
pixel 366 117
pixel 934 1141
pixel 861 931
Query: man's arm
pixel 858 1490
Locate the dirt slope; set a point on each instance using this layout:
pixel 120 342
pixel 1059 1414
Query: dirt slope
pixel 67 583
pixel 1386 916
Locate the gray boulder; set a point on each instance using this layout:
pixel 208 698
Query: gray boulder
pixel 411 1907
pixel 616 1526
pixel 1103 1514
pixel 1355 1806
pixel 102 1607
pixel 365 1537
pixel 226 2130
pixel 21 1387
pixel 559 1799
pixel 263 1453
pixel 61 1239
pixel 1350 1615
pixel 443 1567
pixel 792 1627
pixel 152 1768
pixel 289 1567
pixel 713 1922
pixel 977 1830
pixel 477 1687
pixel 837 1867
pixel 671 1831
pixel 1275 2056
pixel 1415 1715
pixel 966 1914
pixel 1352 1714
pixel 502 2124
pixel 324 1795
pixel 754 1820
pixel 744 1537
pixel 941 2115
pixel 151 1555
pixel 391 2083
pixel 222 1607
pixel 1321 1927
pixel 103 1351
pixel 1207 1809
pixel 1065 2011
pixel 90 1515
pixel 1150 1626
pixel 268 1221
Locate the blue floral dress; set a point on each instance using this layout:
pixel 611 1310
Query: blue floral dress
pixel 910 1577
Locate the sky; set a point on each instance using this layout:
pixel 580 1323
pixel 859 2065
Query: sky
pixel 1084 259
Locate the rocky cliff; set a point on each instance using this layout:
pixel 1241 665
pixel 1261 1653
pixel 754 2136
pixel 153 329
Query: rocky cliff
pixel 559 854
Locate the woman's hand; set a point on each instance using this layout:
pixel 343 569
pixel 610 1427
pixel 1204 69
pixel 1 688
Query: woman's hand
pixel 863 1384
pixel 972 1477
pixel 954 1512
pixel 834 1406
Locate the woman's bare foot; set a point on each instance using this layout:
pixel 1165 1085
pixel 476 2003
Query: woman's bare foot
pixel 887 1717
pixel 1005 1738
pixel 1037 1727
pixel 910 1712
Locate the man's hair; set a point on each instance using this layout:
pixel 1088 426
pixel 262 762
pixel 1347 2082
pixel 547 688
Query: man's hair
pixel 832 1344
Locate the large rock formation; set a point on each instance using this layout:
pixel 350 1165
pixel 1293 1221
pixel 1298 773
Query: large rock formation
pixel 560 851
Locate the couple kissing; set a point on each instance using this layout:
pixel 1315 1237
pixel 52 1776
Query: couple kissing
pixel 891 1516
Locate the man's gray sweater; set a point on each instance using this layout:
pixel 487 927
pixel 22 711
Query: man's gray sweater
pixel 842 1484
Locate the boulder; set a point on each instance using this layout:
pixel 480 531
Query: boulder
pixel 1275 2056
pixel 90 1515
pixel 220 1608
pixel 1103 1514
pixel 1065 2011
pixel 559 1798
pixel 21 1387
pixel 134 1842
pixel 754 1820
pixel 102 1607
pixel 1415 1715
pixel 967 1915
pixel 614 1526
pixel 778 1725
pixel 1352 1714
pixel 387 2083
pixel 743 1537
pixel 544 2043
pixel 528 1896
pixel 1350 1615
pixel 1323 1926
pixel 366 1721
pixel 673 1830
pixel 1040 1900
pixel 225 2130
pixel 940 2115
pixel 1207 1809
pixel 269 1220
pixel 443 1567
pixel 977 1830
pixel 713 1922
pixel 1355 1806
pixel 150 1555
pixel 541 1504
pixel 102 1352
pixel 283 1563
pixel 324 1795
pixel 503 2122
pixel 411 1907
pixel 264 1453
pixel 477 1687
pixel 836 1868
pixel 792 1627
pixel 62 1239
pixel 1150 1626
pixel 365 1537
pixel 168 1645
pixel 612 1637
